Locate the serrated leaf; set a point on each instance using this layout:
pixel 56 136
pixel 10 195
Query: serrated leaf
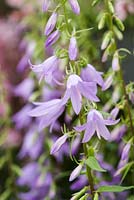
pixel 93 163
pixel 114 188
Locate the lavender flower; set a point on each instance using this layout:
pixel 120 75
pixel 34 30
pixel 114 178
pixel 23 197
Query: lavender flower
pixel 107 83
pixel 45 5
pixel 115 62
pixel 21 118
pixel 25 88
pixel 76 87
pixel 51 24
pixel 47 68
pixel 58 144
pixel 125 151
pixel 75 173
pixel 75 6
pixel 73 50
pixel 52 38
pixel 48 111
pixel 95 122
pixel 90 74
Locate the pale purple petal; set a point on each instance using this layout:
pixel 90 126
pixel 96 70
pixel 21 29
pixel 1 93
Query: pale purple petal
pixel 125 153
pixel 107 83
pixel 90 130
pixel 102 130
pixel 75 6
pixel 73 50
pixel 52 38
pixel 51 23
pixel 75 173
pixel 58 144
pixel 110 122
pixel 80 128
pixel 76 99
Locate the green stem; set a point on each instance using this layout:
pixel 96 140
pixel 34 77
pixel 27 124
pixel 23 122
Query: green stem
pixel 66 18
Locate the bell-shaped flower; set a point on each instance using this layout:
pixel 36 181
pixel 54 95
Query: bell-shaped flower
pixel 75 173
pixel 48 111
pixel 51 24
pixel 46 69
pixel 75 6
pixel 73 50
pixel 24 89
pixel 52 38
pixel 96 123
pixel 58 144
pixel 76 87
pixel 90 74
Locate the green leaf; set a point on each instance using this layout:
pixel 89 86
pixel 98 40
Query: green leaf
pixel 114 188
pixel 93 164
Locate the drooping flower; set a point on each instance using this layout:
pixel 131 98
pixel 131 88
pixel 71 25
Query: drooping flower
pixel 76 88
pixel 58 144
pixel 52 38
pixel 115 62
pixel 96 123
pixel 73 50
pixel 51 24
pixel 21 118
pixel 46 69
pixel 32 143
pixel 25 88
pixel 75 6
pixel 75 173
pixel 48 112
pixel 90 74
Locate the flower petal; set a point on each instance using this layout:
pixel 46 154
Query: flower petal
pixel 76 99
pixel 102 130
pixel 90 130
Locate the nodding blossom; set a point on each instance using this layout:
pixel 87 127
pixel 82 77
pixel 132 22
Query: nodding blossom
pixel 46 69
pixel 96 123
pixel 48 111
pixel 76 87
pixel 75 6
pixel 51 23
pixel 75 173
pixel 52 38
pixel 90 74
pixel 73 50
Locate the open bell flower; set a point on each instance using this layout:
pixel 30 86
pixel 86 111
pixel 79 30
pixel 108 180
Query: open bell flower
pixel 90 74
pixel 75 6
pixel 96 123
pixel 51 23
pixel 46 69
pixel 48 111
pixel 76 87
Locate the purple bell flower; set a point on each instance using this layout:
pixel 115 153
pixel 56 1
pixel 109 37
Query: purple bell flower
pixel 96 123
pixel 75 88
pixel 46 69
pixel 75 6
pixel 90 74
pixel 25 88
pixel 21 118
pixel 73 50
pixel 48 111
pixel 32 144
pixel 51 24
pixel 52 38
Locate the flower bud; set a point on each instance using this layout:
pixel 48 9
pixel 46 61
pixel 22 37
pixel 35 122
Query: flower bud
pixel 52 38
pixel 115 62
pixel 75 173
pixel 106 40
pixel 51 23
pixel 73 51
pixel 75 6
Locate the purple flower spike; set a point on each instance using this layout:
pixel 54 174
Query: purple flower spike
pixel 73 50
pixel 58 144
pixel 75 88
pixel 75 6
pixel 49 111
pixel 75 173
pixel 90 74
pixel 52 38
pixel 96 123
pixel 51 24
pixel 45 6
pixel 125 152
pixel 46 69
